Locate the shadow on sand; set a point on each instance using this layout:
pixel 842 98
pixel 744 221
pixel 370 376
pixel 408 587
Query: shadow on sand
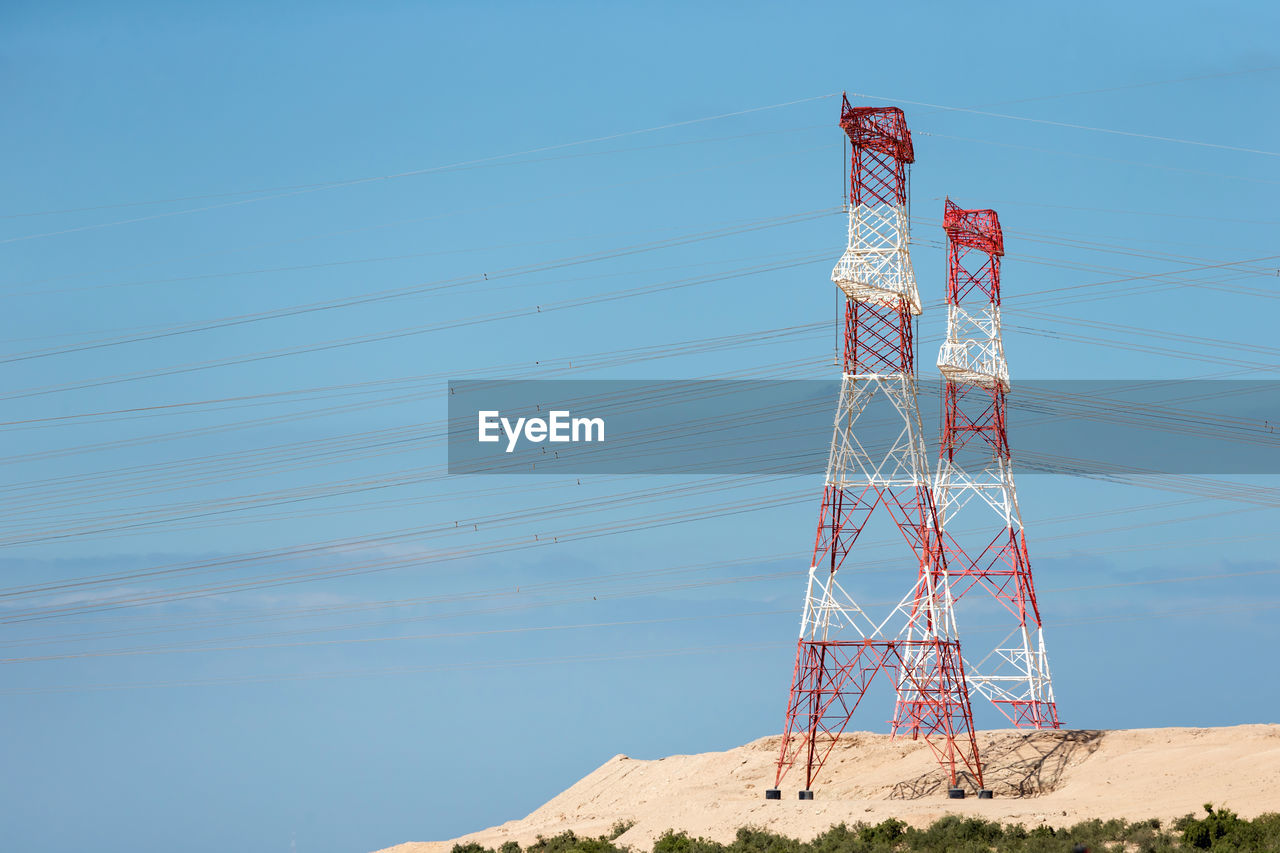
pixel 1014 765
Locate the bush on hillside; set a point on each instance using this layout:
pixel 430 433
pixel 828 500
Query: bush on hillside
pixel 1219 831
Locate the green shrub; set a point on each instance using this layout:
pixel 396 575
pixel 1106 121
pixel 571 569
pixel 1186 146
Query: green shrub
pixel 470 847
pixel 568 842
pixel 759 841
pixel 680 842
pixel 1223 831
pixel 1219 831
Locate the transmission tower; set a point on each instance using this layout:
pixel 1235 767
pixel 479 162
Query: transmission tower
pixel 985 545
pixel 841 648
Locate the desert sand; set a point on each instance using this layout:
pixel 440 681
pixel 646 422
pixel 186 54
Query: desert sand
pixel 1050 777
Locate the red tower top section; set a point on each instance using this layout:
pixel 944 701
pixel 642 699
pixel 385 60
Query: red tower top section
pixel 977 229
pixel 974 247
pixel 881 151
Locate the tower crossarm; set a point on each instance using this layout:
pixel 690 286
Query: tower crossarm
pixel 972 351
pixel 876 266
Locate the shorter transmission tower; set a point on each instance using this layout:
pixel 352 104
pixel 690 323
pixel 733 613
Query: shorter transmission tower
pixel 986 547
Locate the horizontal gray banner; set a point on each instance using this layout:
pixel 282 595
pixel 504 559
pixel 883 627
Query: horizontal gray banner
pixel 784 427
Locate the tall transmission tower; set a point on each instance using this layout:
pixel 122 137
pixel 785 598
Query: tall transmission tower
pixel 841 649
pixel 985 546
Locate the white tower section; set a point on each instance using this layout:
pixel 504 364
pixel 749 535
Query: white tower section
pixel 877 264
pixel 973 351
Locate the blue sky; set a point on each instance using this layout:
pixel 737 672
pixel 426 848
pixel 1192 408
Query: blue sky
pixel 292 634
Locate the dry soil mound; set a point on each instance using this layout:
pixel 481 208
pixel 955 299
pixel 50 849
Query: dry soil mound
pixel 1057 778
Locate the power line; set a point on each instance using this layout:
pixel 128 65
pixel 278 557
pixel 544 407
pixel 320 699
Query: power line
pixel 1070 125
pixel 415 172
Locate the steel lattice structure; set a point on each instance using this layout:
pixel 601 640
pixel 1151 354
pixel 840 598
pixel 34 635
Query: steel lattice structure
pixel 841 648
pixel 974 474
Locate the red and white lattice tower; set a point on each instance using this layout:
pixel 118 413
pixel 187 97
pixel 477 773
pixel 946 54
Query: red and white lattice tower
pixel 841 647
pixel 976 500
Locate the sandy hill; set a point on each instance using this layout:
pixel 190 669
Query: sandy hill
pixel 1057 778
